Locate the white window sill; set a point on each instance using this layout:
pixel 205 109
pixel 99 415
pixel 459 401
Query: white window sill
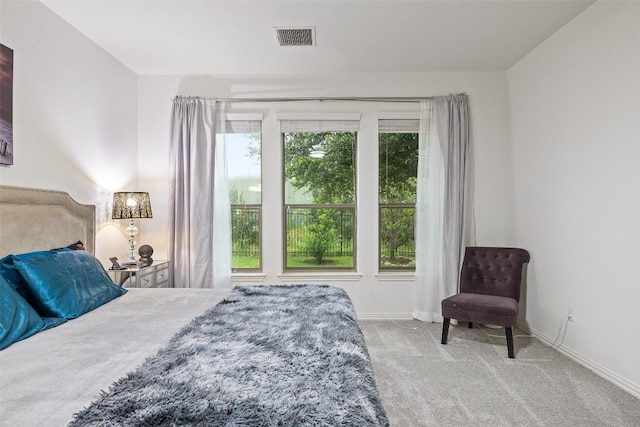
pixel 396 276
pixel 324 277
pixel 247 277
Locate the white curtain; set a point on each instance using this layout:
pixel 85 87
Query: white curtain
pixel 444 204
pixel 199 221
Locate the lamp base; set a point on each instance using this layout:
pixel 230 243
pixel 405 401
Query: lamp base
pixel 132 230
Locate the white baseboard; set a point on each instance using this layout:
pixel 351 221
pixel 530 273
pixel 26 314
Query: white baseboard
pixel 385 316
pixel 605 373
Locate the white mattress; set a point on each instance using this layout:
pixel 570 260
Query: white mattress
pixel 48 377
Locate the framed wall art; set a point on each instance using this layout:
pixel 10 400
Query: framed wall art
pixel 6 105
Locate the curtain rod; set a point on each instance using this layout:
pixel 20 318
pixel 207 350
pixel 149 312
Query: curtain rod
pixel 302 99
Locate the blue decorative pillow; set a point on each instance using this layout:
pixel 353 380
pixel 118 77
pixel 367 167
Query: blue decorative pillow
pixel 66 283
pixel 18 320
pixel 11 273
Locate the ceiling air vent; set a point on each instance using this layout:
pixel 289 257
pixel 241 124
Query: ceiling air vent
pixel 295 36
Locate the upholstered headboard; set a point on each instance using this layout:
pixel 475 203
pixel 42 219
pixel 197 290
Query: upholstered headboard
pixel 34 219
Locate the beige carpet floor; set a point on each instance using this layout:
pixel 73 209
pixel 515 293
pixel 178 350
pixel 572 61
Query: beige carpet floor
pixel 471 382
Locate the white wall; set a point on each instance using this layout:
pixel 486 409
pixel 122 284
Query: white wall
pixel 574 201
pixel 74 115
pixel 489 115
pixel 78 114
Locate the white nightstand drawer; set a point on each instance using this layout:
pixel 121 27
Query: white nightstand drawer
pixel 157 275
pixel 154 276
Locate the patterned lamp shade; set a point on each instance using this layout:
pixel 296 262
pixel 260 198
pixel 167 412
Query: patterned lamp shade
pixel 131 205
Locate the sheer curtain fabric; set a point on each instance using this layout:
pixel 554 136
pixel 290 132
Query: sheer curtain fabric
pixel 444 202
pixel 199 222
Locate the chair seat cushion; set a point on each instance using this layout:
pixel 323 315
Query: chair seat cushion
pixel 479 308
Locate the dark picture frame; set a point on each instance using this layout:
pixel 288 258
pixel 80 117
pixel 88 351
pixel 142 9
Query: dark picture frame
pixel 6 105
pixel 115 265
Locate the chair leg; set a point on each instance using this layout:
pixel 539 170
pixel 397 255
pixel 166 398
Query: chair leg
pixel 470 325
pixel 509 333
pixel 445 330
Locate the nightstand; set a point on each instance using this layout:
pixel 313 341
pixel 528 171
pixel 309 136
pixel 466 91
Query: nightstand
pixel 157 275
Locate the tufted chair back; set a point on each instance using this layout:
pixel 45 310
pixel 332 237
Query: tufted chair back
pixel 493 271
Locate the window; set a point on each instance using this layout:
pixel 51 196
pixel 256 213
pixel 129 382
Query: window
pixel 397 180
pixel 243 151
pixel 319 194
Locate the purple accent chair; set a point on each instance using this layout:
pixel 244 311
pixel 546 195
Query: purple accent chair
pixel 490 281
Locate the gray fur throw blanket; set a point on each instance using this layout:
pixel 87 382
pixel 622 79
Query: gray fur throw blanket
pixel 264 356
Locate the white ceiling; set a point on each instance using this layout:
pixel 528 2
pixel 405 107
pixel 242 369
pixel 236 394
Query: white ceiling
pixel 236 37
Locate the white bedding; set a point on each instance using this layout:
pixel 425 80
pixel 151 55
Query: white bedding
pixel 48 377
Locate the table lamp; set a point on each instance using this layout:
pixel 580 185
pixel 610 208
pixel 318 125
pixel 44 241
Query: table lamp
pixel 131 205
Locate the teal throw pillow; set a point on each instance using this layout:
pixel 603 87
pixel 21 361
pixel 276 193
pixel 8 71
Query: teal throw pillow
pixel 66 283
pixel 11 273
pixel 18 320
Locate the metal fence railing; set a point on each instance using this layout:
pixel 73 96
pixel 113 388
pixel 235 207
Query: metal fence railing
pixel 338 222
pixel 246 232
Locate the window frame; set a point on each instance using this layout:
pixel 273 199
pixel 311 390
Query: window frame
pixel 319 123
pixel 394 123
pixel 238 118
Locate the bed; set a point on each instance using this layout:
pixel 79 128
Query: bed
pixel 267 355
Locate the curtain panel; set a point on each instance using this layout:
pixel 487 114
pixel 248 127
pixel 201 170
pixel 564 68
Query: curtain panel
pixel 444 202
pixel 199 217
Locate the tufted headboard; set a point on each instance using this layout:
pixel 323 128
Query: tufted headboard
pixel 34 219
